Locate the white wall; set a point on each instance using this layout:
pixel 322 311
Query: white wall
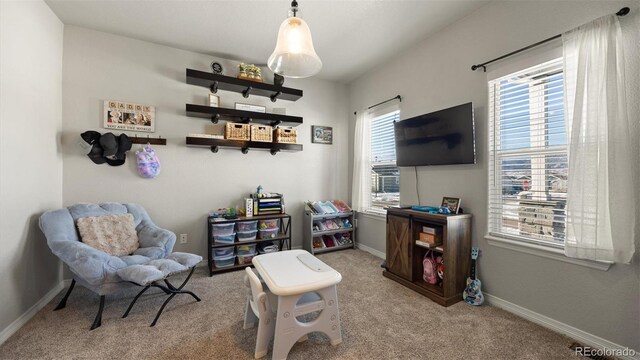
pixel 30 163
pixel 435 74
pixel 193 181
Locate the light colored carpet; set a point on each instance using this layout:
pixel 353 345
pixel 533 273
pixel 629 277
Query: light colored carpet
pixel 380 320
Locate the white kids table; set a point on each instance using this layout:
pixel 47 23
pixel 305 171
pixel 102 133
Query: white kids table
pixel 290 275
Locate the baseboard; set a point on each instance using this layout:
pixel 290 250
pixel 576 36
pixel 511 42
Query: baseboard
pixel 580 336
pixel 31 312
pixel 371 251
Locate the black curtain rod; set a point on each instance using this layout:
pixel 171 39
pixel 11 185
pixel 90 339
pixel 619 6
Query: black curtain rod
pixel 624 11
pixel 382 102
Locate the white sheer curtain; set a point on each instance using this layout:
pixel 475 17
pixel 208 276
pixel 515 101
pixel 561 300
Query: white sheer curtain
pixel 361 187
pixel 600 200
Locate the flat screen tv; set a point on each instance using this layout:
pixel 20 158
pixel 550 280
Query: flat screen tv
pixel 443 137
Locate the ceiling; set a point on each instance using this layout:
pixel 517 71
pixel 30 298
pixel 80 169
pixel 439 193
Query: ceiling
pixel 350 37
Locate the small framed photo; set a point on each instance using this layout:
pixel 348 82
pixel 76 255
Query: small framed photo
pixel 453 204
pixel 321 134
pixel 249 107
pixel 214 100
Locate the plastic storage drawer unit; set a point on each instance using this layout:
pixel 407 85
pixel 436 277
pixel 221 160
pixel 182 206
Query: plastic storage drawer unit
pixel 246 249
pixel 246 259
pixel 224 251
pixel 247 235
pixel 269 233
pixel 268 224
pixel 224 239
pixel 247 225
pixel 224 261
pixel 222 229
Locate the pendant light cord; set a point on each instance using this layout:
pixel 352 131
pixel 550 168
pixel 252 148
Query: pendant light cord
pixel 294 7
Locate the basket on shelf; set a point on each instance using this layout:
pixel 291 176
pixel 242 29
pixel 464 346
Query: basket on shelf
pixel 237 131
pixel 263 133
pixel 287 135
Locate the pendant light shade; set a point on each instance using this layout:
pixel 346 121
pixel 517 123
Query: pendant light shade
pixel 294 55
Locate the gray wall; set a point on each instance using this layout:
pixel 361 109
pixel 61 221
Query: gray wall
pixel 30 163
pixel 193 181
pixel 436 74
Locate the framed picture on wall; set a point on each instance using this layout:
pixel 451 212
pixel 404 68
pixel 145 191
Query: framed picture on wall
pixel 119 115
pixel 321 134
pixel 214 100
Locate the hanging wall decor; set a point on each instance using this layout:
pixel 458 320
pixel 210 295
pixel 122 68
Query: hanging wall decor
pixel 321 134
pixel 120 115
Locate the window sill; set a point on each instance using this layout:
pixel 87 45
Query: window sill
pixel 381 215
pixel 544 251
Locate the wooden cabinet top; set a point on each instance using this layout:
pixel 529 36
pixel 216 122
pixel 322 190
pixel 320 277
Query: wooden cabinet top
pixel 421 215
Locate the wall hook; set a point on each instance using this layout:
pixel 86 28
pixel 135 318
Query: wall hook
pixel 274 97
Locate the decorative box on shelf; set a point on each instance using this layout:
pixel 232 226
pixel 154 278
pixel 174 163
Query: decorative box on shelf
pixel 237 131
pixel 262 133
pixel 287 135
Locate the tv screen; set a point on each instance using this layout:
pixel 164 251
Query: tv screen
pixel 443 137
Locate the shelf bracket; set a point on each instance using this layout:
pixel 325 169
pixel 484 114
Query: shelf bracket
pixel 244 150
pixel 215 118
pixel 214 87
pixel 274 151
pixel 214 149
pixel 247 119
pixel 274 97
pixel 276 123
pixel 246 92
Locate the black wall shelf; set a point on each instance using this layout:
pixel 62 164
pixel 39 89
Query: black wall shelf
pixel 219 113
pixel 215 144
pixel 216 82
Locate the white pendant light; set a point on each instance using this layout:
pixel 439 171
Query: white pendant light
pixel 294 55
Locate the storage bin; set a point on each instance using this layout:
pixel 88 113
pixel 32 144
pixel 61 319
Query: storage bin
pixel 224 251
pixel 268 224
pixel 267 247
pixel 224 239
pixel 247 235
pixel 222 229
pixel 246 249
pixel 268 233
pixel 247 225
pixel 262 133
pixel 224 261
pixel 287 135
pixel 246 259
pixel 237 131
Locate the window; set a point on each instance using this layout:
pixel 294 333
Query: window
pixel 528 155
pixel 385 175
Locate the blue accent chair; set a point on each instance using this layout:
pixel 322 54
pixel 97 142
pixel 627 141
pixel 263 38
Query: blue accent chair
pixel 99 271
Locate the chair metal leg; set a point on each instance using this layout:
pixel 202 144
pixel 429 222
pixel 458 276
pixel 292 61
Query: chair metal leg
pixel 126 313
pixel 63 302
pixel 173 291
pixel 162 308
pixel 98 320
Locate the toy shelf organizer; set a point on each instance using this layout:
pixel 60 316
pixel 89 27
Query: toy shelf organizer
pixel 329 231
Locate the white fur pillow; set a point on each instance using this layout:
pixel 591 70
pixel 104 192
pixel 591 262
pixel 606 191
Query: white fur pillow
pixel 114 234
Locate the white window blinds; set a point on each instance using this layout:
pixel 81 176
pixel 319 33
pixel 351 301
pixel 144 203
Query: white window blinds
pixel 528 155
pixel 385 176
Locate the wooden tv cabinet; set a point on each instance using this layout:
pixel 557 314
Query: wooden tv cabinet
pixel 404 257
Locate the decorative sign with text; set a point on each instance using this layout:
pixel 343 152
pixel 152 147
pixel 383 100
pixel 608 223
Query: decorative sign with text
pixel 120 115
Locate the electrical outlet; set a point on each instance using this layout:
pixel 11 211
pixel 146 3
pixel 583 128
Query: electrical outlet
pixel 183 238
